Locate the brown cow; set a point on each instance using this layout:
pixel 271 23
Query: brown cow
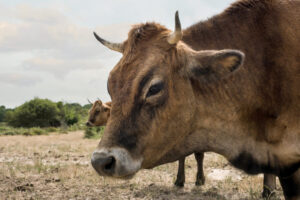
pixel 170 100
pixel 99 113
pixel 98 116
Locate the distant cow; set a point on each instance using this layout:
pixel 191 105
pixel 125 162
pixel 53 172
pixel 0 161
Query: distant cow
pixel 99 113
pixel 98 116
pixel 175 93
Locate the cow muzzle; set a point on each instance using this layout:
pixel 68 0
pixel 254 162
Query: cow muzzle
pixel 89 124
pixel 115 162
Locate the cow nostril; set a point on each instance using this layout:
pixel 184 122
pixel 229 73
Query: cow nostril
pixel 89 124
pixel 110 163
pixel 103 163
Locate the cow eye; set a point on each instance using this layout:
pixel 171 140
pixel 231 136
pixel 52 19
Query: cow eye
pixel 154 89
pixel 97 112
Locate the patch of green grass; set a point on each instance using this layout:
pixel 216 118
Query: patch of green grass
pixel 51 129
pixel 93 132
pixel 9 130
pixel 38 131
pixel 76 127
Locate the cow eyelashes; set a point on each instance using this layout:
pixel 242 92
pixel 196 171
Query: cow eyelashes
pixel 154 89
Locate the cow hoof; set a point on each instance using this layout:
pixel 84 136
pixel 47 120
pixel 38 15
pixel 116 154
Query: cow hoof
pixel 179 183
pixel 200 182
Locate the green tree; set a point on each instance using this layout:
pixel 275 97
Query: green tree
pixel 69 114
pixel 2 113
pixel 9 114
pixel 87 106
pixel 37 112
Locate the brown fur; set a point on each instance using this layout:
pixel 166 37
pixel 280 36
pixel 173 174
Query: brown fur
pixel 250 115
pixel 99 113
pixel 98 117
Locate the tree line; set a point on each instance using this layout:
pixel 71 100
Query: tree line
pixel 44 113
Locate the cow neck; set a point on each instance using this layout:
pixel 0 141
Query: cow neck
pixel 223 102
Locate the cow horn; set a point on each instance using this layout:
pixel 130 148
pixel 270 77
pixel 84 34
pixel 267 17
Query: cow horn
pixel 89 101
pixel 177 34
pixel 113 46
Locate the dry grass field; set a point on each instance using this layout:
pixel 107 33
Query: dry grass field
pixel 57 166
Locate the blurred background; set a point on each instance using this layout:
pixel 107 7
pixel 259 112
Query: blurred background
pixel 50 59
pixel 47 48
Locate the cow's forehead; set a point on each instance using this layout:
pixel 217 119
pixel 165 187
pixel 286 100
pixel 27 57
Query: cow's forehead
pixel 125 78
pixel 144 49
pixel 95 105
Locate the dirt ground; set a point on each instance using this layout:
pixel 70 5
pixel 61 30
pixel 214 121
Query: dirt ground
pixel 57 166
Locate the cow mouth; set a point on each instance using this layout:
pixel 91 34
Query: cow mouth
pixel 89 124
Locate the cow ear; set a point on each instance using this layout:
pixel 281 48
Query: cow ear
pixel 106 109
pixel 215 64
pixel 108 104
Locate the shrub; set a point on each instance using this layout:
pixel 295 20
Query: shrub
pixel 37 131
pixel 51 129
pixel 60 116
pixel 9 114
pixel 2 113
pixel 94 132
pixel 35 113
pixel 8 130
pixel 76 127
pixel 69 113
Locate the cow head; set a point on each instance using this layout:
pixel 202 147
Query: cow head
pixel 154 106
pixel 98 114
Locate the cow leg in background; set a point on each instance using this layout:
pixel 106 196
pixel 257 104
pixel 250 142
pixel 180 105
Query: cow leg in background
pixel 200 178
pixel 269 185
pixel 291 186
pixel 180 175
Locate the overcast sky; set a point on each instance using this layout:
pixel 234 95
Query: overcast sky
pixel 47 49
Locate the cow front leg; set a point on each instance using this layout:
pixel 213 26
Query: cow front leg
pixel 269 185
pixel 180 175
pixel 200 178
pixel 291 186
